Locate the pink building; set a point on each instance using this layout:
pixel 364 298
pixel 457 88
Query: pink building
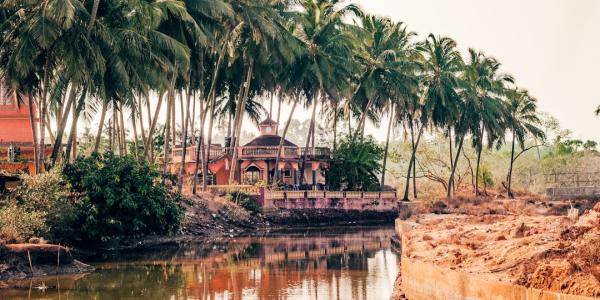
pixel 256 160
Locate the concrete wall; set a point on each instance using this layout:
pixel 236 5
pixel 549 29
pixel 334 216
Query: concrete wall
pixel 320 202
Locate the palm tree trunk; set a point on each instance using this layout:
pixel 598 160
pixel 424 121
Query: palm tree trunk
pixel 360 129
pixel 99 134
pixel 135 133
pixel 63 123
pixel 76 120
pixel 451 186
pixel 310 134
pixel 210 109
pixel 138 111
pixel 72 141
pixel 411 162
pixel 240 118
pixel 193 119
pixel 173 119
pixel 277 174
pixel 183 114
pixel 510 170
pixel 148 111
pixel 148 148
pixel 43 112
pixel 335 119
pixel 167 132
pixel 33 131
pixel 271 105
pixel 184 142
pixel 479 151
pixel 279 104
pixel 414 177
pixel 113 128
pixel 123 135
pixel 387 144
pixel 451 152
pixel 93 16
pixel 414 161
pixel 200 144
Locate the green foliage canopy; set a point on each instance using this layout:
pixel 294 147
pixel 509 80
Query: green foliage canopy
pixel 122 197
pixel 356 165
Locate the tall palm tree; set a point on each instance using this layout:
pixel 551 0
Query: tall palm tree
pixel 438 104
pixel 387 57
pixel 523 121
pixel 261 39
pixel 325 69
pixel 483 84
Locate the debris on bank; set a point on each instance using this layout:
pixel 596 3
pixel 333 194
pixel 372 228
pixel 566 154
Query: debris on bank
pixel 19 261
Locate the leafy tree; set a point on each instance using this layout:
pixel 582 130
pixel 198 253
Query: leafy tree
pixel 121 198
pixel 356 165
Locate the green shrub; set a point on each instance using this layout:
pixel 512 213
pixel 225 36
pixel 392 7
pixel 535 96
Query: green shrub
pixel 52 194
pixel 356 165
pixel 121 197
pixel 18 225
pixel 245 201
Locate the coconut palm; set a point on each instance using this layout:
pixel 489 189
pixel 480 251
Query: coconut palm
pixel 261 39
pixel 522 121
pixel 325 69
pixel 438 103
pixel 483 84
pixel 386 55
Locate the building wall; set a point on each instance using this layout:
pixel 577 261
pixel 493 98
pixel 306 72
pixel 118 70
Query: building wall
pixel 15 126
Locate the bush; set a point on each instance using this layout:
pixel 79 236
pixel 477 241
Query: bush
pixel 17 224
pixel 52 194
pixel 244 201
pixel 121 197
pixel 356 165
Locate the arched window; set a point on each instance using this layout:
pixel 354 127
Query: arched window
pixel 252 175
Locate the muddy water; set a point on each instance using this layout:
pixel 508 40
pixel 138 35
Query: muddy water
pixel 334 263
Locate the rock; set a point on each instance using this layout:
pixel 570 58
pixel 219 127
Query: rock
pixel 519 232
pixel 597 207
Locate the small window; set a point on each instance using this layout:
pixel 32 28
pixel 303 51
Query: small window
pixel 287 173
pixel 268 130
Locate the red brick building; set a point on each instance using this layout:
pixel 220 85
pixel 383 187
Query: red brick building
pixel 256 160
pixel 15 135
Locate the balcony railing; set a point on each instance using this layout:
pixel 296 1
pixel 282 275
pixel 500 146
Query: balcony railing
pixel 255 152
pixel 279 195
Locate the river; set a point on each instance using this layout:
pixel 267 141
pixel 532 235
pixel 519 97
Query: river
pixel 320 263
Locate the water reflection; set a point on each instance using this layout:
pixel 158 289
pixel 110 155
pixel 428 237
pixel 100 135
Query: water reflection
pixel 336 264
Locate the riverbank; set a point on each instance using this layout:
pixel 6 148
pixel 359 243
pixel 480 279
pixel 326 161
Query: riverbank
pixel 528 245
pixel 20 261
pixel 209 219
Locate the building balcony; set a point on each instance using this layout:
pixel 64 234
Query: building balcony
pixel 255 152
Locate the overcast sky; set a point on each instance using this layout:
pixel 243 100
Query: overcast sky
pixel 552 47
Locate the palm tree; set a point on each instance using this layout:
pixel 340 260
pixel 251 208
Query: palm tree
pixel 438 103
pixel 483 84
pixel 324 70
pixel 386 55
pixel 523 121
pixel 262 39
